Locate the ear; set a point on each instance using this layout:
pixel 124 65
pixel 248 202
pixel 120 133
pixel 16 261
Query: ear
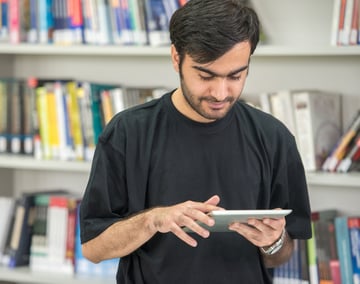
pixel 175 58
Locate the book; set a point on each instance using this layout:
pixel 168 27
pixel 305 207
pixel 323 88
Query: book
pixel 6 216
pixel 96 108
pixel 156 23
pixel 104 24
pixel 341 33
pixel 32 32
pixel 312 257
pixel 15 116
pixel 295 270
pixel 4 24
pixel 137 11
pixel 351 158
pixel 45 21
pixel 75 123
pixel 19 252
pixel 84 100
pixel 343 248
pixel 61 233
pixel 282 108
pixel 354 233
pixel 28 116
pixel 22 230
pixel 76 22
pixel 4 131
pixel 318 125
pixel 335 271
pixel 335 22
pixel 39 240
pixel 354 30
pixel 318 246
pixel 345 40
pixel 326 249
pixel 84 267
pixel 341 145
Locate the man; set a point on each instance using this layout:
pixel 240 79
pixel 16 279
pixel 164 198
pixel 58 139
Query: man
pixel 165 165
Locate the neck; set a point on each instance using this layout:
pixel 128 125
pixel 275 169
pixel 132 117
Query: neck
pixel 185 109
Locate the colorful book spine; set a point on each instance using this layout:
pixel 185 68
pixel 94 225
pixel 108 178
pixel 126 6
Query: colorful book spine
pixel 354 232
pixel 343 248
pixel 75 121
pixel 4 24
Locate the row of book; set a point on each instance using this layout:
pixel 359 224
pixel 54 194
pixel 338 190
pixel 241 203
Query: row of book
pixel 41 230
pixel 61 119
pixel 331 256
pixel 346 23
pixel 315 118
pixel 66 22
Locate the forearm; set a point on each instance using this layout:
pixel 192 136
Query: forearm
pixel 282 255
pixel 121 238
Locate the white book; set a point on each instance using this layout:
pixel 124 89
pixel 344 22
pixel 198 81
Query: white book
pixel 61 117
pixel 6 212
pixel 318 125
pixel 345 40
pixel 335 22
pixel 281 107
pixel 57 232
pixel 264 102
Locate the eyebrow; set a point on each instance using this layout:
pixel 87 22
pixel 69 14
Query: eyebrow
pixel 212 73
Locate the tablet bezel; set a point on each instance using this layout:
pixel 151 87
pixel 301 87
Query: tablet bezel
pixel 223 218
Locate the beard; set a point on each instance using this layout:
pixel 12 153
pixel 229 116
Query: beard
pixel 202 104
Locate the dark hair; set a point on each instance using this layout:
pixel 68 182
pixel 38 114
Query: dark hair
pixel 207 29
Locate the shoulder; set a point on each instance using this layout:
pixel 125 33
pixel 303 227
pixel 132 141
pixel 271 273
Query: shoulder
pixel 135 119
pixel 262 122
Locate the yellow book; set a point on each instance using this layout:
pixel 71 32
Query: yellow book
pixel 41 105
pixel 75 121
pixel 106 106
pixel 53 124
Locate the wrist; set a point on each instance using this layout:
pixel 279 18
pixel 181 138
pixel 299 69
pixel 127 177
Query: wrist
pixel 276 246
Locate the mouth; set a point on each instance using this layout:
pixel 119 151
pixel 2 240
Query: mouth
pixel 217 105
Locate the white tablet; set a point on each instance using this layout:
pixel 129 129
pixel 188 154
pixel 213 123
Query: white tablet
pixel 223 218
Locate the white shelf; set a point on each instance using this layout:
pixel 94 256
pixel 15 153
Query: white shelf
pixel 83 50
pixel 29 163
pixel 24 275
pixel 17 162
pixel 146 51
pixel 283 51
pixel 334 179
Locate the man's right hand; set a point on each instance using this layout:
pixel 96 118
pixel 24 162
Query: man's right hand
pixel 186 214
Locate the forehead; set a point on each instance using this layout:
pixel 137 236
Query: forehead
pixel 235 58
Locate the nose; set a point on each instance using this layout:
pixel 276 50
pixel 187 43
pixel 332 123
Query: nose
pixel 220 89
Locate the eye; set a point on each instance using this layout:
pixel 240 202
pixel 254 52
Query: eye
pixel 234 78
pixel 206 78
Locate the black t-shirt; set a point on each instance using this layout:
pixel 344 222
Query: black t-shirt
pixel 152 155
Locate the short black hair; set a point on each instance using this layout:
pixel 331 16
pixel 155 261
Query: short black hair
pixel 207 29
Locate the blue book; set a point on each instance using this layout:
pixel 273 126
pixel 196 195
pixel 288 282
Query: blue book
pixel 343 247
pixel 4 30
pixel 354 232
pixel 83 267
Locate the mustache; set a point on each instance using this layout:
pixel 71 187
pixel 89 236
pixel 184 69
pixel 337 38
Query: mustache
pixel 214 100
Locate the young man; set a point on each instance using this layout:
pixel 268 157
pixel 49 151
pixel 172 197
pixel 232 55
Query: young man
pixel 164 165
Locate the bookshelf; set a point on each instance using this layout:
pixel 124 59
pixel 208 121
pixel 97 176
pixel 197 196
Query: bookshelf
pixel 287 61
pixel 25 276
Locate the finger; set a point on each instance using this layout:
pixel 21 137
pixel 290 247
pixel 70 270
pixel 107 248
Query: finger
pixel 213 200
pixel 182 235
